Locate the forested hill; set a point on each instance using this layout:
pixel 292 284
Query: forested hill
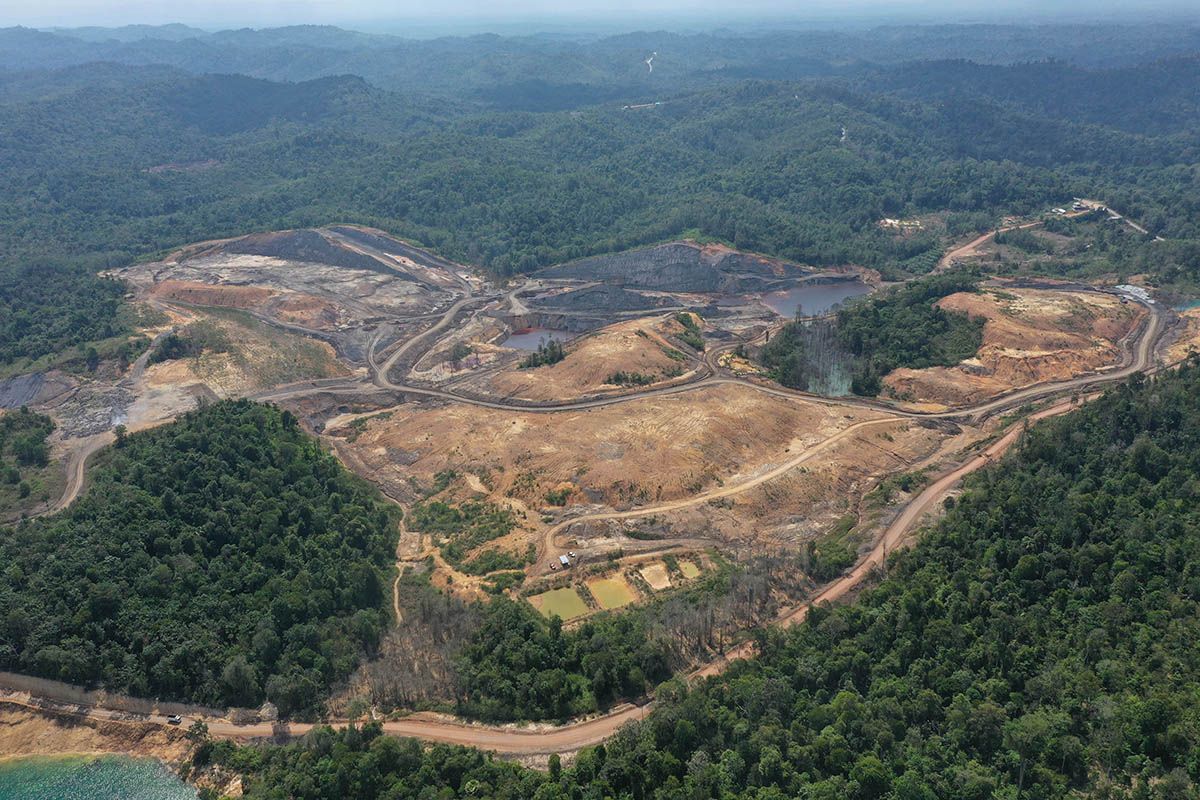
pixel 761 165
pixel 1039 642
pixel 496 68
pixel 101 172
pixel 146 160
pixel 1157 98
pixel 222 559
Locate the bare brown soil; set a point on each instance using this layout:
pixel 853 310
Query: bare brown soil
pixel 1187 340
pixel 24 732
pixel 201 294
pixel 1031 336
pixel 646 450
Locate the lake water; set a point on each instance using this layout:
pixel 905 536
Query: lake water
pixel 90 778
pixel 529 338
pixel 813 298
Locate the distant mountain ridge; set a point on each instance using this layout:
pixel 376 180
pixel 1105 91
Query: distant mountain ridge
pixel 491 69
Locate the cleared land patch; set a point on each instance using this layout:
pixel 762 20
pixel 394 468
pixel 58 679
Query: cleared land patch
pixel 635 351
pixel 237 354
pixel 656 576
pixel 1030 336
pixel 636 453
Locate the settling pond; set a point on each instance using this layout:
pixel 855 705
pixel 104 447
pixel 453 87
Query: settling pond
pixel 813 298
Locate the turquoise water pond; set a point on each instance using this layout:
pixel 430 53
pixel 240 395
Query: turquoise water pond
pixel 90 778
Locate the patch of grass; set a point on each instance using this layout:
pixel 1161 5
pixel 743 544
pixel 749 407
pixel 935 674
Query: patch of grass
pixel 463 528
pixel 27 477
pixel 673 354
pixel 622 378
pixel 496 560
pixel 501 582
pixel 905 482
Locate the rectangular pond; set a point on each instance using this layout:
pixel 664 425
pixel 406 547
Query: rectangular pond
pixel 611 592
pixel 564 602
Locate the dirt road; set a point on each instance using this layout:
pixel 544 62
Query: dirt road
pixel 1141 360
pixel 971 248
pixel 544 739
pixel 77 469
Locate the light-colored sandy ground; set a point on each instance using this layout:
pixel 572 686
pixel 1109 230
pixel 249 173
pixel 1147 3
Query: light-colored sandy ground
pixel 1031 336
pixel 316 296
pixel 1188 340
pixel 656 575
pixel 258 357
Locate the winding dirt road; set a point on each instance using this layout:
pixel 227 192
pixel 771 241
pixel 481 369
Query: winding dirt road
pixel 544 739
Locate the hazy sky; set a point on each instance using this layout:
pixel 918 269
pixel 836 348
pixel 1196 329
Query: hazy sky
pixel 390 14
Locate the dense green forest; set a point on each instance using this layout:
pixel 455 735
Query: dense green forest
pixel 571 67
pixel 220 559
pixel 1039 642
pixel 45 310
pixel 902 327
pixel 519 666
pixel 24 457
pixel 23 442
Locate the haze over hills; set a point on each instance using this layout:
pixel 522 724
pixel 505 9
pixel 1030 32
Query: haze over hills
pixel 617 63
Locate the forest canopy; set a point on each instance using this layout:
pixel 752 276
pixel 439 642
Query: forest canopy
pixel 223 559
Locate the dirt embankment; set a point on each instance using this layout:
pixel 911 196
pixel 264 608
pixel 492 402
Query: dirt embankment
pixel 1030 336
pixel 26 732
pixel 1187 341
pixel 201 294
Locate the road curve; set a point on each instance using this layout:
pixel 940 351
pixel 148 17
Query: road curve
pixel 1141 360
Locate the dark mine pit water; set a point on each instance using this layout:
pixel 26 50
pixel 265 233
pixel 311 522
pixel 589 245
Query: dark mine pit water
pixel 529 338
pixel 813 298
